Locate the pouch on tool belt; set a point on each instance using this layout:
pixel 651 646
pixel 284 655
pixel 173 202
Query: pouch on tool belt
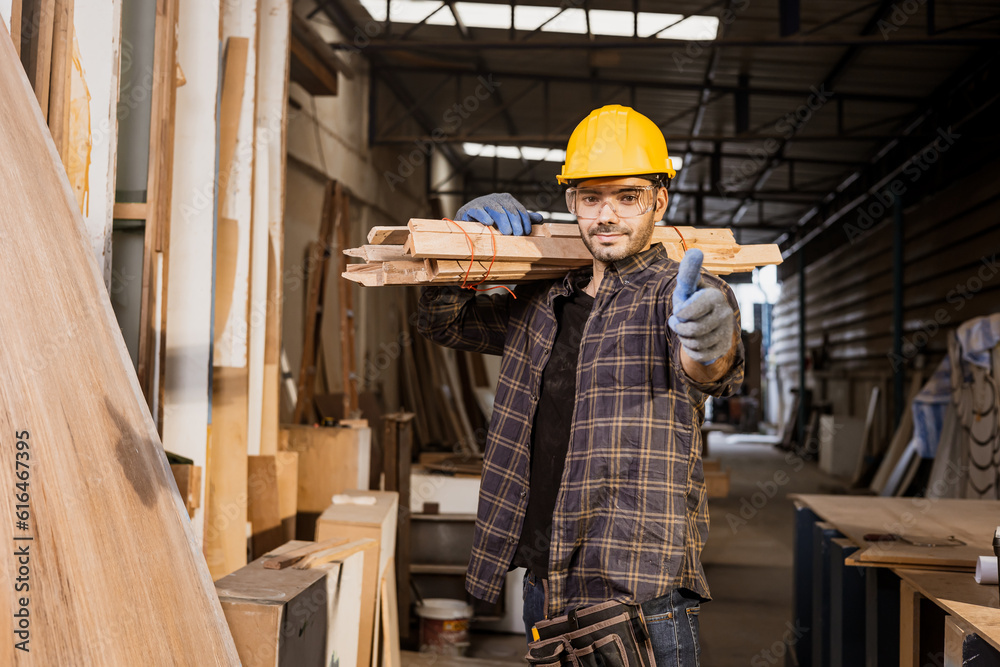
pixel 610 634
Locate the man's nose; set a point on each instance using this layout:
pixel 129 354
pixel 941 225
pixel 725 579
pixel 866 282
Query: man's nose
pixel 607 213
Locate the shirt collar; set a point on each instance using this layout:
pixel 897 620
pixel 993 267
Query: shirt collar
pixel 638 262
pixel 622 269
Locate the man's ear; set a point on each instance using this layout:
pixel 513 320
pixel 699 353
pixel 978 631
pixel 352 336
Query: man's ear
pixel 661 203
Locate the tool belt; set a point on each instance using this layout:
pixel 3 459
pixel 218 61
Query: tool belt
pixel 610 634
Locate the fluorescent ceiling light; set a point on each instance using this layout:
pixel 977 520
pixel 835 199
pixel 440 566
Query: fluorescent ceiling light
pixel 558 216
pixel 482 15
pixel 676 163
pixel 410 11
pixel 535 153
pixel 609 22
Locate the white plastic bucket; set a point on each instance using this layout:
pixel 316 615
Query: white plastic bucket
pixel 444 626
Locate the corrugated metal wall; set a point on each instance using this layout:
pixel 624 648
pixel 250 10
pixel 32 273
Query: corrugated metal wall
pixel 950 275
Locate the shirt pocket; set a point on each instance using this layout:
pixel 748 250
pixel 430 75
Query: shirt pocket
pixel 630 366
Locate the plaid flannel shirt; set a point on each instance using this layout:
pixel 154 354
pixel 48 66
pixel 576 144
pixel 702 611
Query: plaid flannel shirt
pixel 631 517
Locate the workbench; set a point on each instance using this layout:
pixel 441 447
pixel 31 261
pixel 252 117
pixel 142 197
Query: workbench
pixel 892 602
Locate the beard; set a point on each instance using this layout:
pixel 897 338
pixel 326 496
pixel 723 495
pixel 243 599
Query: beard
pixel 636 240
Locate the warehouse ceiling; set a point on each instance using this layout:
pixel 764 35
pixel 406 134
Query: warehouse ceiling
pixel 774 113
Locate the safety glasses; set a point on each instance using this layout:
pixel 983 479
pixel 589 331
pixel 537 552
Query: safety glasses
pixel 627 201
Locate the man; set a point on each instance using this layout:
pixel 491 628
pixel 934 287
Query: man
pixel 592 476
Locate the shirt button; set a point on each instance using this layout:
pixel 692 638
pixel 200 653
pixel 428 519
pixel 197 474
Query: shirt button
pixel 523 494
pixel 512 540
pixel 534 397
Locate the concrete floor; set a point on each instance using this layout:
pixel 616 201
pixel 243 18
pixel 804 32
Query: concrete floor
pixel 747 559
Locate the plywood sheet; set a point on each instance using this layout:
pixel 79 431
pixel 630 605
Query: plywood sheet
pixel 111 545
pixel 959 595
pixel 973 521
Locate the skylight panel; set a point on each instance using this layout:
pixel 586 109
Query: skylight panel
pixel 534 153
pixel 693 28
pixel 612 22
pixel 572 21
pixel 483 15
pixel 410 11
pixel 609 22
pixel 529 17
pixel 651 23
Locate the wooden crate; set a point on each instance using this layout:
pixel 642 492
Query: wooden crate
pixel 292 616
pixel 717 483
pixel 377 522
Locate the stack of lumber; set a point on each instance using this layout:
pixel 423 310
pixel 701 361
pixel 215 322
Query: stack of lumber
pixel 440 252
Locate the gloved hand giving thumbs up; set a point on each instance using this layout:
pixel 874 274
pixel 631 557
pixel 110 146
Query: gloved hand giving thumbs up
pixel 703 318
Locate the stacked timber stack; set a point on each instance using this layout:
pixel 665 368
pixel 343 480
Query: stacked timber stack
pixel 446 252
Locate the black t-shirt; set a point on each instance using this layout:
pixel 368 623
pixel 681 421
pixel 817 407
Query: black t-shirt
pixel 550 434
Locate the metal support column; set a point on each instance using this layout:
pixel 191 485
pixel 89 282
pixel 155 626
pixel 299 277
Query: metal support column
pixel 898 369
pixel 803 408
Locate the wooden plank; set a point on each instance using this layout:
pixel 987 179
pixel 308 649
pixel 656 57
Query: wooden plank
pixel 959 595
pixel 318 263
pixel 159 195
pixel 130 210
pixel 60 90
pixel 259 265
pixel 312 550
pixel 287 464
pixel 369 593
pixel 38 63
pixel 856 516
pixel 188 479
pixel 310 70
pixel 15 25
pixel 226 492
pixel 273 22
pixel 331 460
pixel 263 505
pixel 909 625
pixel 229 348
pixel 184 335
pixel 98 543
pixel 345 302
pixel 390 619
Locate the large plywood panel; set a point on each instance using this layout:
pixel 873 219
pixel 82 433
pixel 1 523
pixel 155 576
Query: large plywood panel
pixel 116 577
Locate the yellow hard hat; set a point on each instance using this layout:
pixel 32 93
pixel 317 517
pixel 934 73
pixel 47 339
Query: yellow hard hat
pixel 615 141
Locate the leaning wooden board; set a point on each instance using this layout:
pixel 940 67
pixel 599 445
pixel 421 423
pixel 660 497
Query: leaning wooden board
pixel 972 521
pixel 114 575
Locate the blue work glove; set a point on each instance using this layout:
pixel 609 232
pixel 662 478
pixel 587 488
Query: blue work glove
pixel 502 210
pixel 703 318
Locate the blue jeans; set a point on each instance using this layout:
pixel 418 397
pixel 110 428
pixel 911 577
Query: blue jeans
pixel 672 621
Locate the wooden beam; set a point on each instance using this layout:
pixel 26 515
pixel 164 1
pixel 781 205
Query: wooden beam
pixel 317 262
pixel 60 86
pixel 131 210
pixel 16 7
pixel 314 65
pixel 274 25
pixel 126 553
